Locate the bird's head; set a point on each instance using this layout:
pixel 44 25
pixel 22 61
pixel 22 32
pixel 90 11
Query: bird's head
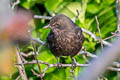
pixel 61 22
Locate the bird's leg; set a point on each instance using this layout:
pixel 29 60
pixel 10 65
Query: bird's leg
pixel 58 64
pixel 73 63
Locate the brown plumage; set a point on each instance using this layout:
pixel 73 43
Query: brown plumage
pixel 65 37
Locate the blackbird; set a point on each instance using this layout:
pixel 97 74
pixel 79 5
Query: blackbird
pixel 65 37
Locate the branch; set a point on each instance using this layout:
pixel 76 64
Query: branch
pixel 117 14
pixel 21 67
pixel 100 64
pixel 42 17
pixel 38 41
pixel 78 13
pixel 18 77
pixel 99 32
pixel 14 4
pixel 73 75
pixel 36 74
pixel 53 65
pixel 114 35
pixel 88 54
pixel 95 37
pixel 35 56
pixel 116 64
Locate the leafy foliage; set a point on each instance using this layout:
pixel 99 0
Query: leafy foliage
pixel 104 9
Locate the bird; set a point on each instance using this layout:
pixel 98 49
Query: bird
pixel 65 37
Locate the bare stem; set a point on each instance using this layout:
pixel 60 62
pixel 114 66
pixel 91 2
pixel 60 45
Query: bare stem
pixel 21 67
pixel 35 56
pixel 99 31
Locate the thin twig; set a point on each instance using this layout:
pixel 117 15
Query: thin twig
pixel 34 62
pixel 99 31
pixel 38 41
pixel 36 74
pixel 114 35
pixel 21 67
pixel 35 55
pixel 116 64
pixel 73 74
pixel 26 54
pixel 18 78
pixel 44 71
pixel 42 17
pixel 88 54
pixel 15 3
pixel 85 58
pixel 117 14
pixel 78 13
pixel 54 65
pixel 95 37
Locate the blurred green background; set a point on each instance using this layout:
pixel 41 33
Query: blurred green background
pixel 103 9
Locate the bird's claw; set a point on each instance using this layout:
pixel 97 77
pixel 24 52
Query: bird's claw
pixel 58 66
pixel 74 63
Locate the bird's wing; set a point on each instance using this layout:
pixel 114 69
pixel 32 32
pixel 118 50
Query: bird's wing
pixel 79 33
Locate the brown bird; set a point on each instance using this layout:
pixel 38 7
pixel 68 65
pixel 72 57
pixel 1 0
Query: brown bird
pixel 65 37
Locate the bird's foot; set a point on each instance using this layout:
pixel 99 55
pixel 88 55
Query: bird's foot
pixel 74 63
pixel 58 65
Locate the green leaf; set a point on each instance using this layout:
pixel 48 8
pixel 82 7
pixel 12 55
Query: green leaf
pixel 52 4
pixel 60 74
pixel 4 78
pixel 28 3
pixel 93 8
pixel 98 1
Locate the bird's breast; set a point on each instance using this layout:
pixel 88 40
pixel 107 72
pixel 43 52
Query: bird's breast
pixel 64 43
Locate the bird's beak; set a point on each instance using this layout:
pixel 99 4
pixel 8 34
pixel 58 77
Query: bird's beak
pixel 47 26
